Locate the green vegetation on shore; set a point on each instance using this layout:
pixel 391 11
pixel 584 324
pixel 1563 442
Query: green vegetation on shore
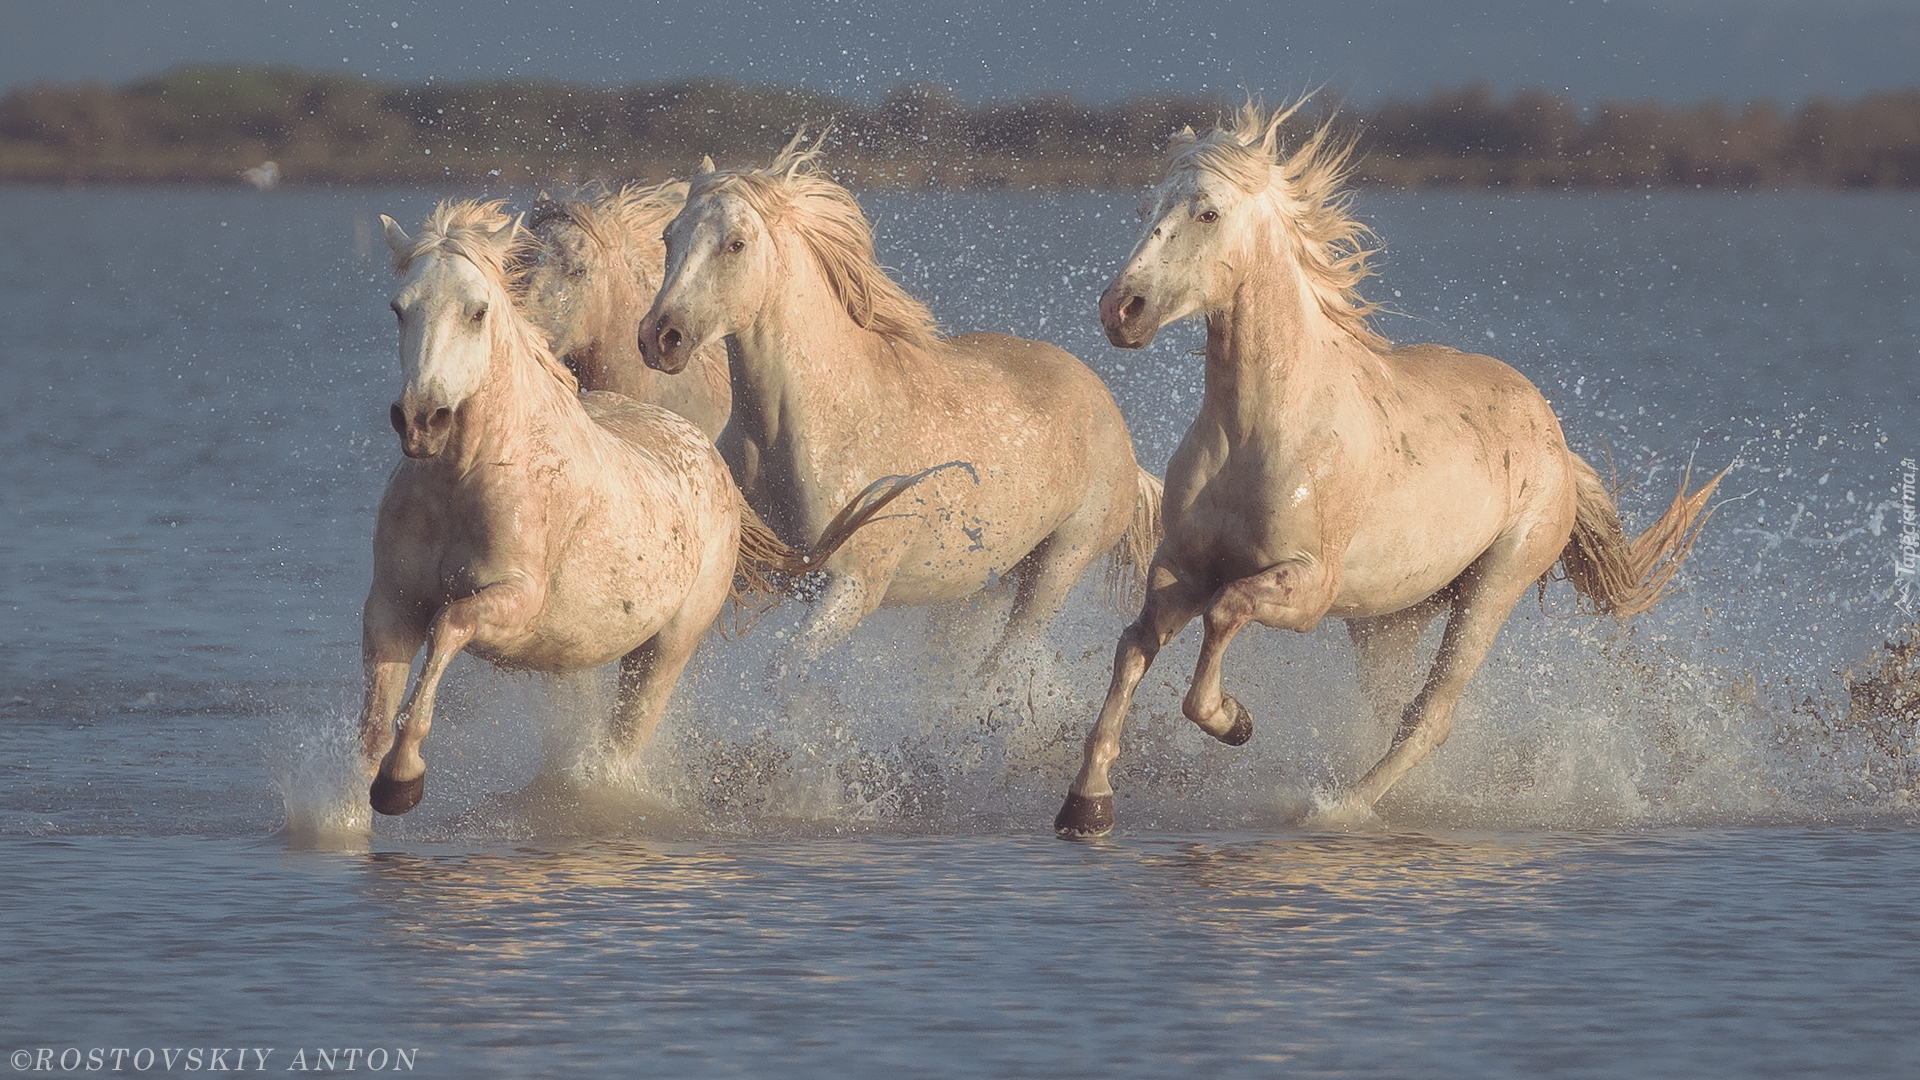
pixel 207 124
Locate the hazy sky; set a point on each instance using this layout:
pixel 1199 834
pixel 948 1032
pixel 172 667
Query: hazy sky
pixel 1682 50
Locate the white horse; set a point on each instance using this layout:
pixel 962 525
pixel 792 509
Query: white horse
pixel 1329 473
pixel 536 527
pixel 838 374
pixel 595 267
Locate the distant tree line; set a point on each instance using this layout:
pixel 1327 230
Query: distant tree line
pixel 207 124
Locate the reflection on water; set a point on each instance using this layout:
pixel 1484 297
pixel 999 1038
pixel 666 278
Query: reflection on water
pixel 1682 953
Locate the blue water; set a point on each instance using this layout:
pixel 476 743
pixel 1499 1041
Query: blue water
pixel 1660 850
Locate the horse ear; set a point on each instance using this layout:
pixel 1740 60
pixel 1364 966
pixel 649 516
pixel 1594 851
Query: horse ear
pixel 502 237
pixel 1184 135
pixel 706 164
pixel 397 238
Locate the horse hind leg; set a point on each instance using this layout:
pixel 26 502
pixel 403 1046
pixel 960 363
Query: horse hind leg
pixel 1483 598
pixel 1383 648
pixel 1045 577
pixel 650 673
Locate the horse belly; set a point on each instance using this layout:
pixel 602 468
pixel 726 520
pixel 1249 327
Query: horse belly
pixel 1417 539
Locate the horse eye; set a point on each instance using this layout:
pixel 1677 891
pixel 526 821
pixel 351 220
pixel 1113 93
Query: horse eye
pixel 479 314
pixel 1208 217
pixel 736 247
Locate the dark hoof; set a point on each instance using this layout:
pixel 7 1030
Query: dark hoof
pixel 396 797
pixel 1242 728
pixel 1084 816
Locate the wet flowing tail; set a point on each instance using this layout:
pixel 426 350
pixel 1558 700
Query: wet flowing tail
pixel 762 553
pixel 1128 562
pixel 1622 577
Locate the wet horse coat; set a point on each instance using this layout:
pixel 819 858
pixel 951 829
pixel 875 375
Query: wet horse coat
pixel 1329 473
pixel 839 375
pixel 595 267
pixel 534 527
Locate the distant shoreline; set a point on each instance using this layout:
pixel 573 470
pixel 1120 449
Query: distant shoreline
pixel 211 125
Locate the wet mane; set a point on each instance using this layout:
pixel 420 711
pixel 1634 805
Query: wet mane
pixel 1305 189
pixel 466 228
pixel 827 218
pixel 631 218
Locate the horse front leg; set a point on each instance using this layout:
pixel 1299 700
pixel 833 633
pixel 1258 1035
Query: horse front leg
pixel 388 642
pixel 493 611
pixel 1088 810
pixel 1291 596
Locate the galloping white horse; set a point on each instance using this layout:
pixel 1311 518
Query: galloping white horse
pixel 536 527
pixel 595 267
pixel 838 374
pixel 1329 473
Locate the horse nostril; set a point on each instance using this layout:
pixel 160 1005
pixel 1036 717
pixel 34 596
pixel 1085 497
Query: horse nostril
pixel 1133 307
pixel 398 418
pixel 439 419
pixel 669 339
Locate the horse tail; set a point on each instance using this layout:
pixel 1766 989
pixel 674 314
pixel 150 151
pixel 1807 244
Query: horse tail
pixel 1129 560
pixel 1622 577
pixel 763 554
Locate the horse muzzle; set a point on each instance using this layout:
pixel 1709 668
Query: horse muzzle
pixel 1123 316
pixel 663 346
pixel 423 432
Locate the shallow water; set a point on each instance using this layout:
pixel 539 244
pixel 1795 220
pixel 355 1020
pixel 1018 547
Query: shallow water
pixel 1675 953
pixel 1653 851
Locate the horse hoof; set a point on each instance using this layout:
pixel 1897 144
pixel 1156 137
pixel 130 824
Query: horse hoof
pixel 1242 728
pixel 1084 817
pixel 396 797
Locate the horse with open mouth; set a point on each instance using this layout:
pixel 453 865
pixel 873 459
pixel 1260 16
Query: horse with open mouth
pixel 838 373
pixel 535 526
pixel 1330 473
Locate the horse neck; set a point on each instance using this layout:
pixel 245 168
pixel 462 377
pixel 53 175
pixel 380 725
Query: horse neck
pixel 519 403
pixel 801 350
pixel 1272 349
pixel 615 345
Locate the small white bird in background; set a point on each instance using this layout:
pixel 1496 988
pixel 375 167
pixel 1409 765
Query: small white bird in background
pixel 262 176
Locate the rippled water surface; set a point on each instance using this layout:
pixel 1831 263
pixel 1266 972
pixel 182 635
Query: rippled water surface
pixel 1668 849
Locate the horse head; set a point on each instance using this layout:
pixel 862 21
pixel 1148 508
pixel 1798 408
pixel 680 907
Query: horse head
pixel 559 275
pixel 449 301
pixel 1232 202
pixel 720 267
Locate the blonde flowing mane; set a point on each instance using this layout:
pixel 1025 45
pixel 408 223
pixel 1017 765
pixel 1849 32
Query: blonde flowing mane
pixel 630 219
pixel 466 227
pixel 789 193
pixel 1305 189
